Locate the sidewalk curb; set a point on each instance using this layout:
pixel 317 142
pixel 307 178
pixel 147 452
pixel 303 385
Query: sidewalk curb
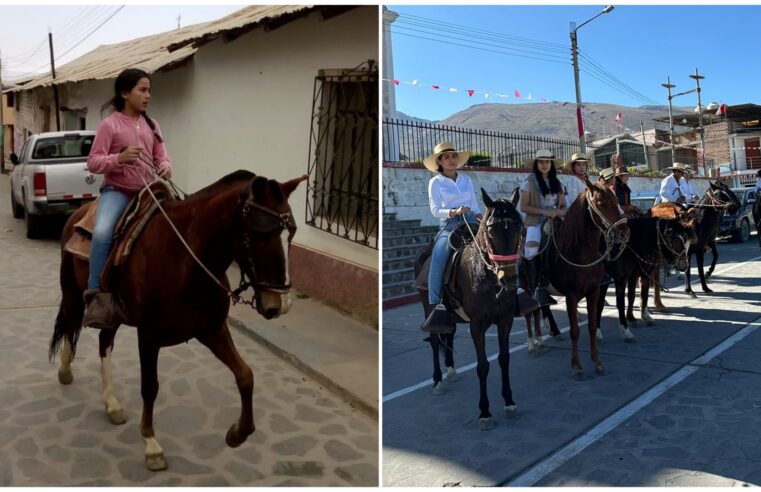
pixel 294 361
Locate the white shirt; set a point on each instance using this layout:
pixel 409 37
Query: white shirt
pixel 670 191
pixel 445 194
pixel 573 189
pixel 689 191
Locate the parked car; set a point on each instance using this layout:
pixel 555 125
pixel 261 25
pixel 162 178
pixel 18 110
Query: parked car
pixel 739 225
pixel 50 177
pixel 643 201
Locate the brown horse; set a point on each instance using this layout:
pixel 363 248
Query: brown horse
pixel 573 259
pixel 170 298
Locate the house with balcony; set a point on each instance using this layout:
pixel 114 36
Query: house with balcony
pixel 732 140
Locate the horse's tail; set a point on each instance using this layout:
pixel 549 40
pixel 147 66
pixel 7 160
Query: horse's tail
pixel 68 322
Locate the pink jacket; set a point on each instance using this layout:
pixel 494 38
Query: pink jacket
pixel 116 131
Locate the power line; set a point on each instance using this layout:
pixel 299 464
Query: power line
pixel 609 75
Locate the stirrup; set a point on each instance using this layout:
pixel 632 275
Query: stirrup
pixel 100 311
pixel 439 321
pixel 526 304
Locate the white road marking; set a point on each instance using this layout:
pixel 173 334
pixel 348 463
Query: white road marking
pixel 559 458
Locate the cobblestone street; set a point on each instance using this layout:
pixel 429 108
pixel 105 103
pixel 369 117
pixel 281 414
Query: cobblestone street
pixel 52 434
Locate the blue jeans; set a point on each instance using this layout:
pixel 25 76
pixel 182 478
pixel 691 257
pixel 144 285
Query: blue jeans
pixel 440 256
pixel 110 207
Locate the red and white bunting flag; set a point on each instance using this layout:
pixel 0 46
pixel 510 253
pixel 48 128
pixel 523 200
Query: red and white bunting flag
pixel 435 86
pixel 470 92
pixel 722 110
pixel 517 94
pixel 618 117
pixel 396 82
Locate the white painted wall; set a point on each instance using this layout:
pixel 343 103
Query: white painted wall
pixel 405 191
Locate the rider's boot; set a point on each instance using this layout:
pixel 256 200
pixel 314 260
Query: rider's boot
pixel 100 311
pixel 541 296
pixel 439 321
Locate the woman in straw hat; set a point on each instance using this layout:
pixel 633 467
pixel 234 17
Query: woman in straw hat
pixel 542 197
pixel 578 182
pixel 452 201
pixel 685 184
pixel 622 190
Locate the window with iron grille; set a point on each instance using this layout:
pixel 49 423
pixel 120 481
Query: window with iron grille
pixel 342 194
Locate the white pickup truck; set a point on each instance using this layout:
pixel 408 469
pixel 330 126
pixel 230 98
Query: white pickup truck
pixel 50 177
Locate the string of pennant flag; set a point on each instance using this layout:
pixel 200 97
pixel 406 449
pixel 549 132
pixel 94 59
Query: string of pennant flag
pixel 471 92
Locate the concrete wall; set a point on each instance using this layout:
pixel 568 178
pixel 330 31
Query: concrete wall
pixel 405 190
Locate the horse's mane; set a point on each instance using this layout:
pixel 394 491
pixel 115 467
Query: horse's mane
pixel 570 232
pixel 239 177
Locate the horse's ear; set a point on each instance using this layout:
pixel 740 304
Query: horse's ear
pixel 713 185
pixel 487 200
pixel 515 196
pixel 291 185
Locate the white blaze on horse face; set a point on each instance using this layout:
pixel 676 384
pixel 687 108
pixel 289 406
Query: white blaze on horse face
pixel 285 299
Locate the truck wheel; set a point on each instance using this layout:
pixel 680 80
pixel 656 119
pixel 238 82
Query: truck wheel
pixel 33 225
pixel 743 233
pixel 18 210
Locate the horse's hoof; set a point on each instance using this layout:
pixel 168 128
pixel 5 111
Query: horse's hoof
pixel 577 374
pixel 511 411
pixel 651 322
pixel 691 294
pixel 601 371
pixel 155 462
pixel 438 389
pixel 452 374
pixel 235 437
pixel 630 339
pixel 65 377
pixel 485 424
pixel 599 335
pixel 117 417
pixel 707 290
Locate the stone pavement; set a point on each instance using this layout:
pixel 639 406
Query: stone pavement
pixel 59 435
pixel 704 430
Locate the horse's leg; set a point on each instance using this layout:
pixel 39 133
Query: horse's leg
pixel 532 329
pixel 438 386
pixel 551 324
pixel 449 358
pixel 106 347
pixel 644 293
pixel 656 276
pixel 623 327
pixel 222 346
pixel 503 329
pixel 687 284
pixel 68 324
pixel 149 388
pixel 571 304
pixel 714 258
pixel 699 258
pixel 478 333
pixel 599 308
pixel 592 300
pixel 538 336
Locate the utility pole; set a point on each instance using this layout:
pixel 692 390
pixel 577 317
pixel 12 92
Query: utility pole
pixel 697 78
pixel 55 87
pixel 2 122
pixel 575 55
pixel 179 16
pixel 644 142
pixel 668 85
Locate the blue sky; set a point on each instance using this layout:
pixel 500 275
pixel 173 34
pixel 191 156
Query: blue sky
pixel 638 45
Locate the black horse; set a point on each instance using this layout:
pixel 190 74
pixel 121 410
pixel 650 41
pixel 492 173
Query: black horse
pixel 486 290
pixel 707 212
pixel 651 242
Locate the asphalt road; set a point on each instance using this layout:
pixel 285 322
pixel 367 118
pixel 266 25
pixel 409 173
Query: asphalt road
pixel 55 435
pixel 681 406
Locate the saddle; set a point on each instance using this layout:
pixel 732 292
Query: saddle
pixel 458 239
pixel 128 229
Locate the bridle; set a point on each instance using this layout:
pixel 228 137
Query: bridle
pixel 486 250
pixel 268 222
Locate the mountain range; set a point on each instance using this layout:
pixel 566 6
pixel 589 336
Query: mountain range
pixel 555 120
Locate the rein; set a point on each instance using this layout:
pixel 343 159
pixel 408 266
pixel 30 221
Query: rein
pixel 235 295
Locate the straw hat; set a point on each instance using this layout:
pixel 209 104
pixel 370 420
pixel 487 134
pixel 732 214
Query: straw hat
pixel 607 173
pixel 543 154
pixel 578 156
pixel 431 162
pixel 678 166
pixel 622 171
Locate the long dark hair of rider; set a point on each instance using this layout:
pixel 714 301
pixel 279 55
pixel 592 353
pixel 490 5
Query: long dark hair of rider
pixel 125 82
pixel 552 176
pixel 620 185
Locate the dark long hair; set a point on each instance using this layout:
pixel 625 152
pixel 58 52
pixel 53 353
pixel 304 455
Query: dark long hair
pixel 125 82
pixel 555 186
pixel 620 185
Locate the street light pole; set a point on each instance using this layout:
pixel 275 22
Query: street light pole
pixel 575 55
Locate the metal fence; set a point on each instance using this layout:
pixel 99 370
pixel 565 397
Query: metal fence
pixel 411 141
pixel 342 191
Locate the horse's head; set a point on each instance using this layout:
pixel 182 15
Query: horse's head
pixel 268 228
pixel 606 214
pixel 721 195
pixel 500 234
pixel 675 237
